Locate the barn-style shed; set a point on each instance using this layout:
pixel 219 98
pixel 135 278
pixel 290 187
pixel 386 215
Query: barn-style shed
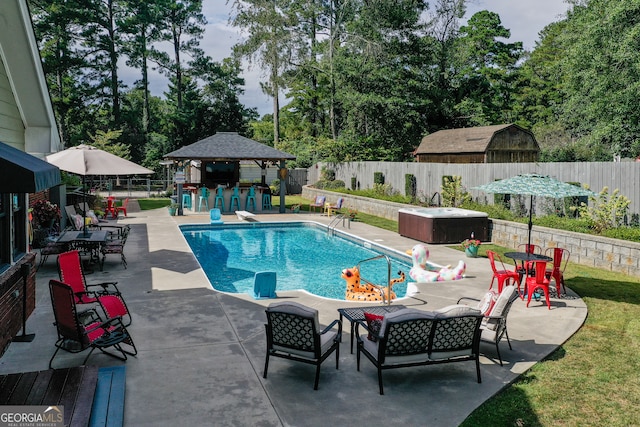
pixel 507 143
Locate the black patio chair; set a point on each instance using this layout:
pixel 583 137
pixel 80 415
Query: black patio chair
pixel 293 333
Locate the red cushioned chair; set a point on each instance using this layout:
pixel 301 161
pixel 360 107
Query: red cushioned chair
pixel 539 281
pixel 560 259
pixel 502 275
pixel 106 294
pixel 79 331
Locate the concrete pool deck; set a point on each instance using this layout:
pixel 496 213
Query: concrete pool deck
pixel 201 352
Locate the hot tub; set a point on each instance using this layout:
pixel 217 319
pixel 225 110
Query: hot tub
pixel 442 225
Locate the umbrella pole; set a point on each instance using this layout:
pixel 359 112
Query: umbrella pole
pixel 530 221
pixel 84 211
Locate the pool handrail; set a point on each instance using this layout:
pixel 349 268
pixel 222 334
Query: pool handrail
pixel 388 275
pixel 334 222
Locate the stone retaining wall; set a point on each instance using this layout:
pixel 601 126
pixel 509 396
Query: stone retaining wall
pixel 600 252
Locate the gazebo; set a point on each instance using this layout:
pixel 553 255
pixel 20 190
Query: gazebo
pixel 220 156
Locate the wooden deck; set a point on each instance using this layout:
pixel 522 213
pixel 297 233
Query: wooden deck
pixel 75 389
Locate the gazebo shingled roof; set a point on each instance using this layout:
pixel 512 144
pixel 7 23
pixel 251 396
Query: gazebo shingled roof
pixel 228 146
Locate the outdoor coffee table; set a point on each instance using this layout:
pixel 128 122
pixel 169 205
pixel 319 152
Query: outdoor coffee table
pixel 355 314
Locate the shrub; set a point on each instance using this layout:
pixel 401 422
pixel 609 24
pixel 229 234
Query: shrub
pixel 606 212
pixel 354 183
pixel 328 174
pixel 330 185
pixel 453 193
pixel 410 185
pixel 378 178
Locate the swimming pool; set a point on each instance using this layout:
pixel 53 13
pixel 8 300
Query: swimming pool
pixel 303 255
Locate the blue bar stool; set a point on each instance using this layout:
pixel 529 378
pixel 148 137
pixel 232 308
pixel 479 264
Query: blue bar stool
pixel 219 201
pixel 186 200
pixel 266 201
pixel 235 197
pixel 251 198
pixel 204 197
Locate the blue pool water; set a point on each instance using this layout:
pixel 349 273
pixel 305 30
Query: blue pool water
pixel 303 255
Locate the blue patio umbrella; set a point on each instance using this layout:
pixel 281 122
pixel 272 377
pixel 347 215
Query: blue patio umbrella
pixel 534 185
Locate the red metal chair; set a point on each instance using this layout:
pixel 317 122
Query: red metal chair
pixel 503 274
pixel 530 249
pixel 111 207
pixel 122 208
pixel 79 331
pixel 539 281
pixel 108 297
pixel 560 259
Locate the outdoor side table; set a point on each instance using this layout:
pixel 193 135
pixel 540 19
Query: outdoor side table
pixel 355 314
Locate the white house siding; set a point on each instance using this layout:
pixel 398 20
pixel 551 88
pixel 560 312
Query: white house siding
pixel 11 127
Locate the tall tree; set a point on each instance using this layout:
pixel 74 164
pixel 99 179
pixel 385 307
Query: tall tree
pixel 101 31
pixel 267 23
pixel 600 77
pixel 182 26
pixel 490 70
pixel 141 29
pixel 57 25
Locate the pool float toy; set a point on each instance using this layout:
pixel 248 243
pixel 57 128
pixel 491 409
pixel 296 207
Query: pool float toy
pixel 357 291
pixel 424 271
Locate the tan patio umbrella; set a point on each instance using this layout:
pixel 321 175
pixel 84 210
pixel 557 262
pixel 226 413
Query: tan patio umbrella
pixel 86 160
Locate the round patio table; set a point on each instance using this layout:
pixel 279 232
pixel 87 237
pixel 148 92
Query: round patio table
pixel 523 258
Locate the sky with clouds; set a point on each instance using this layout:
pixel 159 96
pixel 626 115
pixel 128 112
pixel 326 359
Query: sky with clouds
pixel 525 19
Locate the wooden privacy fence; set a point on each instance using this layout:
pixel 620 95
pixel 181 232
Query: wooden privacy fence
pixel 624 176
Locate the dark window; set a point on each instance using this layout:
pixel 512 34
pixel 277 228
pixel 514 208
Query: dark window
pixel 5 259
pixel 19 220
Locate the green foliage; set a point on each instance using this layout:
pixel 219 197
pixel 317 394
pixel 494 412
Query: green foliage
pixel 330 185
pixel 327 174
pixel 275 186
pixel 605 212
pixel 453 192
pixel 378 178
pixel 354 183
pixel 410 183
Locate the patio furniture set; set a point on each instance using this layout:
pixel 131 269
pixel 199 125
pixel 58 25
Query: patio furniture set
pixel 93 238
pixel 395 336
pixel 532 271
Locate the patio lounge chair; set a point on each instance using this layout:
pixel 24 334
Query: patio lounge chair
pixel 317 203
pixel 76 335
pixel 293 333
pixel 106 294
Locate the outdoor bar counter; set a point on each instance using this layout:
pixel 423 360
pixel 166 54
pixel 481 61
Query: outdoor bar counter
pixel 227 193
pixel 442 225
